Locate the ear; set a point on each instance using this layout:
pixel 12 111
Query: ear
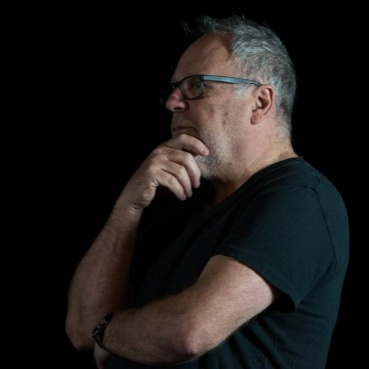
pixel 263 104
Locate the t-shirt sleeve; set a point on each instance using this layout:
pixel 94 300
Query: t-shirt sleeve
pixel 283 236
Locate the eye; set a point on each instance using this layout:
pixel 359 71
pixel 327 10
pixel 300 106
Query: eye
pixel 194 84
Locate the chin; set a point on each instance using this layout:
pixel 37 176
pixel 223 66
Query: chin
pixel 207 166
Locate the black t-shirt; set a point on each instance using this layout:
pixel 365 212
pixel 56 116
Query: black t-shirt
pixel 289 224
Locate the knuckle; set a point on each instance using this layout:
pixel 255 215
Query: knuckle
pixel 172 181
pixel 179 169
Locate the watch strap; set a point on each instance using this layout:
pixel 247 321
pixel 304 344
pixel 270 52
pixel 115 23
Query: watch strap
pixel 98 331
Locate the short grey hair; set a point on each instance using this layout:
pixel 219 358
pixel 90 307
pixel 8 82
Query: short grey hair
pixel 260 55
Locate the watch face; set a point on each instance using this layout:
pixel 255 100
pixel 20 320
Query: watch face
pixel 95 332
pixel 97 335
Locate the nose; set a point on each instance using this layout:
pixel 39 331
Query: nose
pixel 175 101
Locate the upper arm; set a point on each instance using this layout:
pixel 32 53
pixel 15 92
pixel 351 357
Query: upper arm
pixel 228 294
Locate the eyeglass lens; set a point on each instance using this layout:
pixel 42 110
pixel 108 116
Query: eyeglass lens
pixel 191 88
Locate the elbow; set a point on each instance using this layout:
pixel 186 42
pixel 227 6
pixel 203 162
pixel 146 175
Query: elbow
pixel 79 339
pixel 195 341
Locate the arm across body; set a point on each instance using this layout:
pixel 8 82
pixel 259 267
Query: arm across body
pixel 176 328
pixel 183 327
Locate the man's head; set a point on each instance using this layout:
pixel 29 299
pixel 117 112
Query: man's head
pixel 259 54
pixel 240 118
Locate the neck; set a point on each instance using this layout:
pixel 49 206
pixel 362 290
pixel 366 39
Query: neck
pixel 225 186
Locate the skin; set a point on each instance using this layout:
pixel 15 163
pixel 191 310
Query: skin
pixel 225 137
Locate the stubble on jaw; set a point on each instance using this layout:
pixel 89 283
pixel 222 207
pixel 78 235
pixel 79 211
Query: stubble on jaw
pixel 219 161
pixel 210 165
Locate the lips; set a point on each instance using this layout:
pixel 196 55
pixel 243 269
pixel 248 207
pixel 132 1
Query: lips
pixel 178 129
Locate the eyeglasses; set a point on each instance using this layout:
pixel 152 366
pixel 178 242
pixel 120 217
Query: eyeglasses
pixel 192 87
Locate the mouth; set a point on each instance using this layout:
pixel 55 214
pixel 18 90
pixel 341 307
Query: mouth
pixel 177 130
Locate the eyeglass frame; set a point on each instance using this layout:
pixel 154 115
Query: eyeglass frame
pixel 208 77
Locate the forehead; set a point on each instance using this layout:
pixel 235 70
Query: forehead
pixel 210 54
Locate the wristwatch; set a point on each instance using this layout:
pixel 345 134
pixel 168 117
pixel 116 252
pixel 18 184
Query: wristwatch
pixel 98 331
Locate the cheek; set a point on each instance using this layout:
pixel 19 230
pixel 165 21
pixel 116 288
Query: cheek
pixel 208 116
pixel 216 117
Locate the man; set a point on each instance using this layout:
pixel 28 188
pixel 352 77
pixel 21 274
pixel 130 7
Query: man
pixel 236 248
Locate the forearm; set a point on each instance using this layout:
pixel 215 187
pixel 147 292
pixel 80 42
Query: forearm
pixel 156 334
pixel 100 283
pixel 171 330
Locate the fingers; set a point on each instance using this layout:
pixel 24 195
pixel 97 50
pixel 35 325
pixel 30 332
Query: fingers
pixel 171 165
pixel 175 173
pixel 101 356
pixel 188 143
pixel 180 172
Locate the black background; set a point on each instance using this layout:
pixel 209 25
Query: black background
pixel 81 111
